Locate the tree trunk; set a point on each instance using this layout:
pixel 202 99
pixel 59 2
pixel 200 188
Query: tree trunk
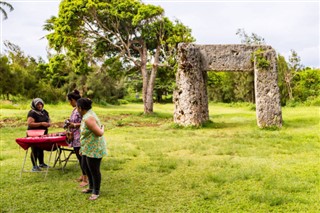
pixel 152 79
pixel 145 77
pixel 149 81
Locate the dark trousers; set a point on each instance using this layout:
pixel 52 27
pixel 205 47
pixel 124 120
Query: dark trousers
pixel 92 168
pixel 36 154
pixel 79 157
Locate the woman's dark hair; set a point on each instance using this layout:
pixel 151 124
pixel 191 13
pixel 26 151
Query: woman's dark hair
pixel 84 103
pixel 74 95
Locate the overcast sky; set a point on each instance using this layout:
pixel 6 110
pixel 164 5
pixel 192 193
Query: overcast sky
pixel 284 25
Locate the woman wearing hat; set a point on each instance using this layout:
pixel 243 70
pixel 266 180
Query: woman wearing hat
pixel 38 118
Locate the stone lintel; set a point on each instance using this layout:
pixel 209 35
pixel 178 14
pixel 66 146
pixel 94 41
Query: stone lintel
pixel 229 57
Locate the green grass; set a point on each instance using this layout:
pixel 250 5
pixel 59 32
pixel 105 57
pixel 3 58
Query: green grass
pixel 228 165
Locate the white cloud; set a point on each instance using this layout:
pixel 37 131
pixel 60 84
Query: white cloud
pixel 285 25
pixel 24 25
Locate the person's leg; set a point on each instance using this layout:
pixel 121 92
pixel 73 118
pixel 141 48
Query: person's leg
pixel 76 151
pixel 83 178
pixel 84 163
pixel 40 156
pixel 34 156
pixel 79 157
pixel 94 167
pixel 38 152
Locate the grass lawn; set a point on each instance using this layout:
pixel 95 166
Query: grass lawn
pixel 229 165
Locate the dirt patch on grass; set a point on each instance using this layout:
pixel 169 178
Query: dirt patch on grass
pixel 11 122
pixel 123 120
pixel 137 124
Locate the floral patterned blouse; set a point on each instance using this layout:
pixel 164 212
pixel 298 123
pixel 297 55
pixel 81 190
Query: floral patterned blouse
pixel 75 118
pixel 91 145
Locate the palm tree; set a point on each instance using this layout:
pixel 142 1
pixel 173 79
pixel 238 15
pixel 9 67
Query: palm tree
pixel 5 16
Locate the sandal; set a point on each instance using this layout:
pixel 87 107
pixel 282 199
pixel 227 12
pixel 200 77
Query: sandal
pixel 79 179
pixel 86 191
pixel 84 181
pixel 93 197
pixel 83 184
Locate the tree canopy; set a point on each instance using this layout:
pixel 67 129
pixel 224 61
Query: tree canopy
pixel 92 31
pixel 3 11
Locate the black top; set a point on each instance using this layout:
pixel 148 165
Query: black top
pixel 38 116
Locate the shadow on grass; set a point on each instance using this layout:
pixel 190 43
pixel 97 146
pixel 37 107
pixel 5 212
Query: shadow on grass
pixel 211 125
pixel 300 122
pixel 137 119
pixel 113 164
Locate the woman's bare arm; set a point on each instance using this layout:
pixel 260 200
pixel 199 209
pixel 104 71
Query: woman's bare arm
pixel 93 126
pixel 31 123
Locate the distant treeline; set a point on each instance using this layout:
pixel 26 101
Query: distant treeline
pixel 23 78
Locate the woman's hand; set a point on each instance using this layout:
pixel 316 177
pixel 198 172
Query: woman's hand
pixel 31 123
pixel 45 124
pixel 74 125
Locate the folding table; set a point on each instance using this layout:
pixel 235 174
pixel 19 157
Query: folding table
pixel 62 149
pixel 49 142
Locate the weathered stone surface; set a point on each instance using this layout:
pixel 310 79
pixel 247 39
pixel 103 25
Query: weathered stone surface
pixel 268 106
pixel 236 57
pixel 191 101
pixel 190 96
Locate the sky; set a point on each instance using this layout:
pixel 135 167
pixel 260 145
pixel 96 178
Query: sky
pixel 285 25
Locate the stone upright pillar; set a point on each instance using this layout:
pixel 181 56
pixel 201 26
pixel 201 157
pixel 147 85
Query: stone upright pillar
pixel 268 106
pixel 190 96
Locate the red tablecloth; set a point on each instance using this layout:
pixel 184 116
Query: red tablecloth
pixel 44 142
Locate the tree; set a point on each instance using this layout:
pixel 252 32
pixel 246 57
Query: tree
pixel 27 77
pixel 306 84
pixel 220 87
pixel 136 33
pixel 4 13
pixel 18 64
pixel 282 70
pixel 253 39
pixel 244 82
pixel 294 66
pixel 165 82
pixel 6 79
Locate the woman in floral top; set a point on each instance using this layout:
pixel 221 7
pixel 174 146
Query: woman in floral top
pixel 74 127
pixel 93 146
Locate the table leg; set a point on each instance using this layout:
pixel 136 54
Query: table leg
pixel 53 145
pixel 67 158
pixel 57 156
pixel 24 162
